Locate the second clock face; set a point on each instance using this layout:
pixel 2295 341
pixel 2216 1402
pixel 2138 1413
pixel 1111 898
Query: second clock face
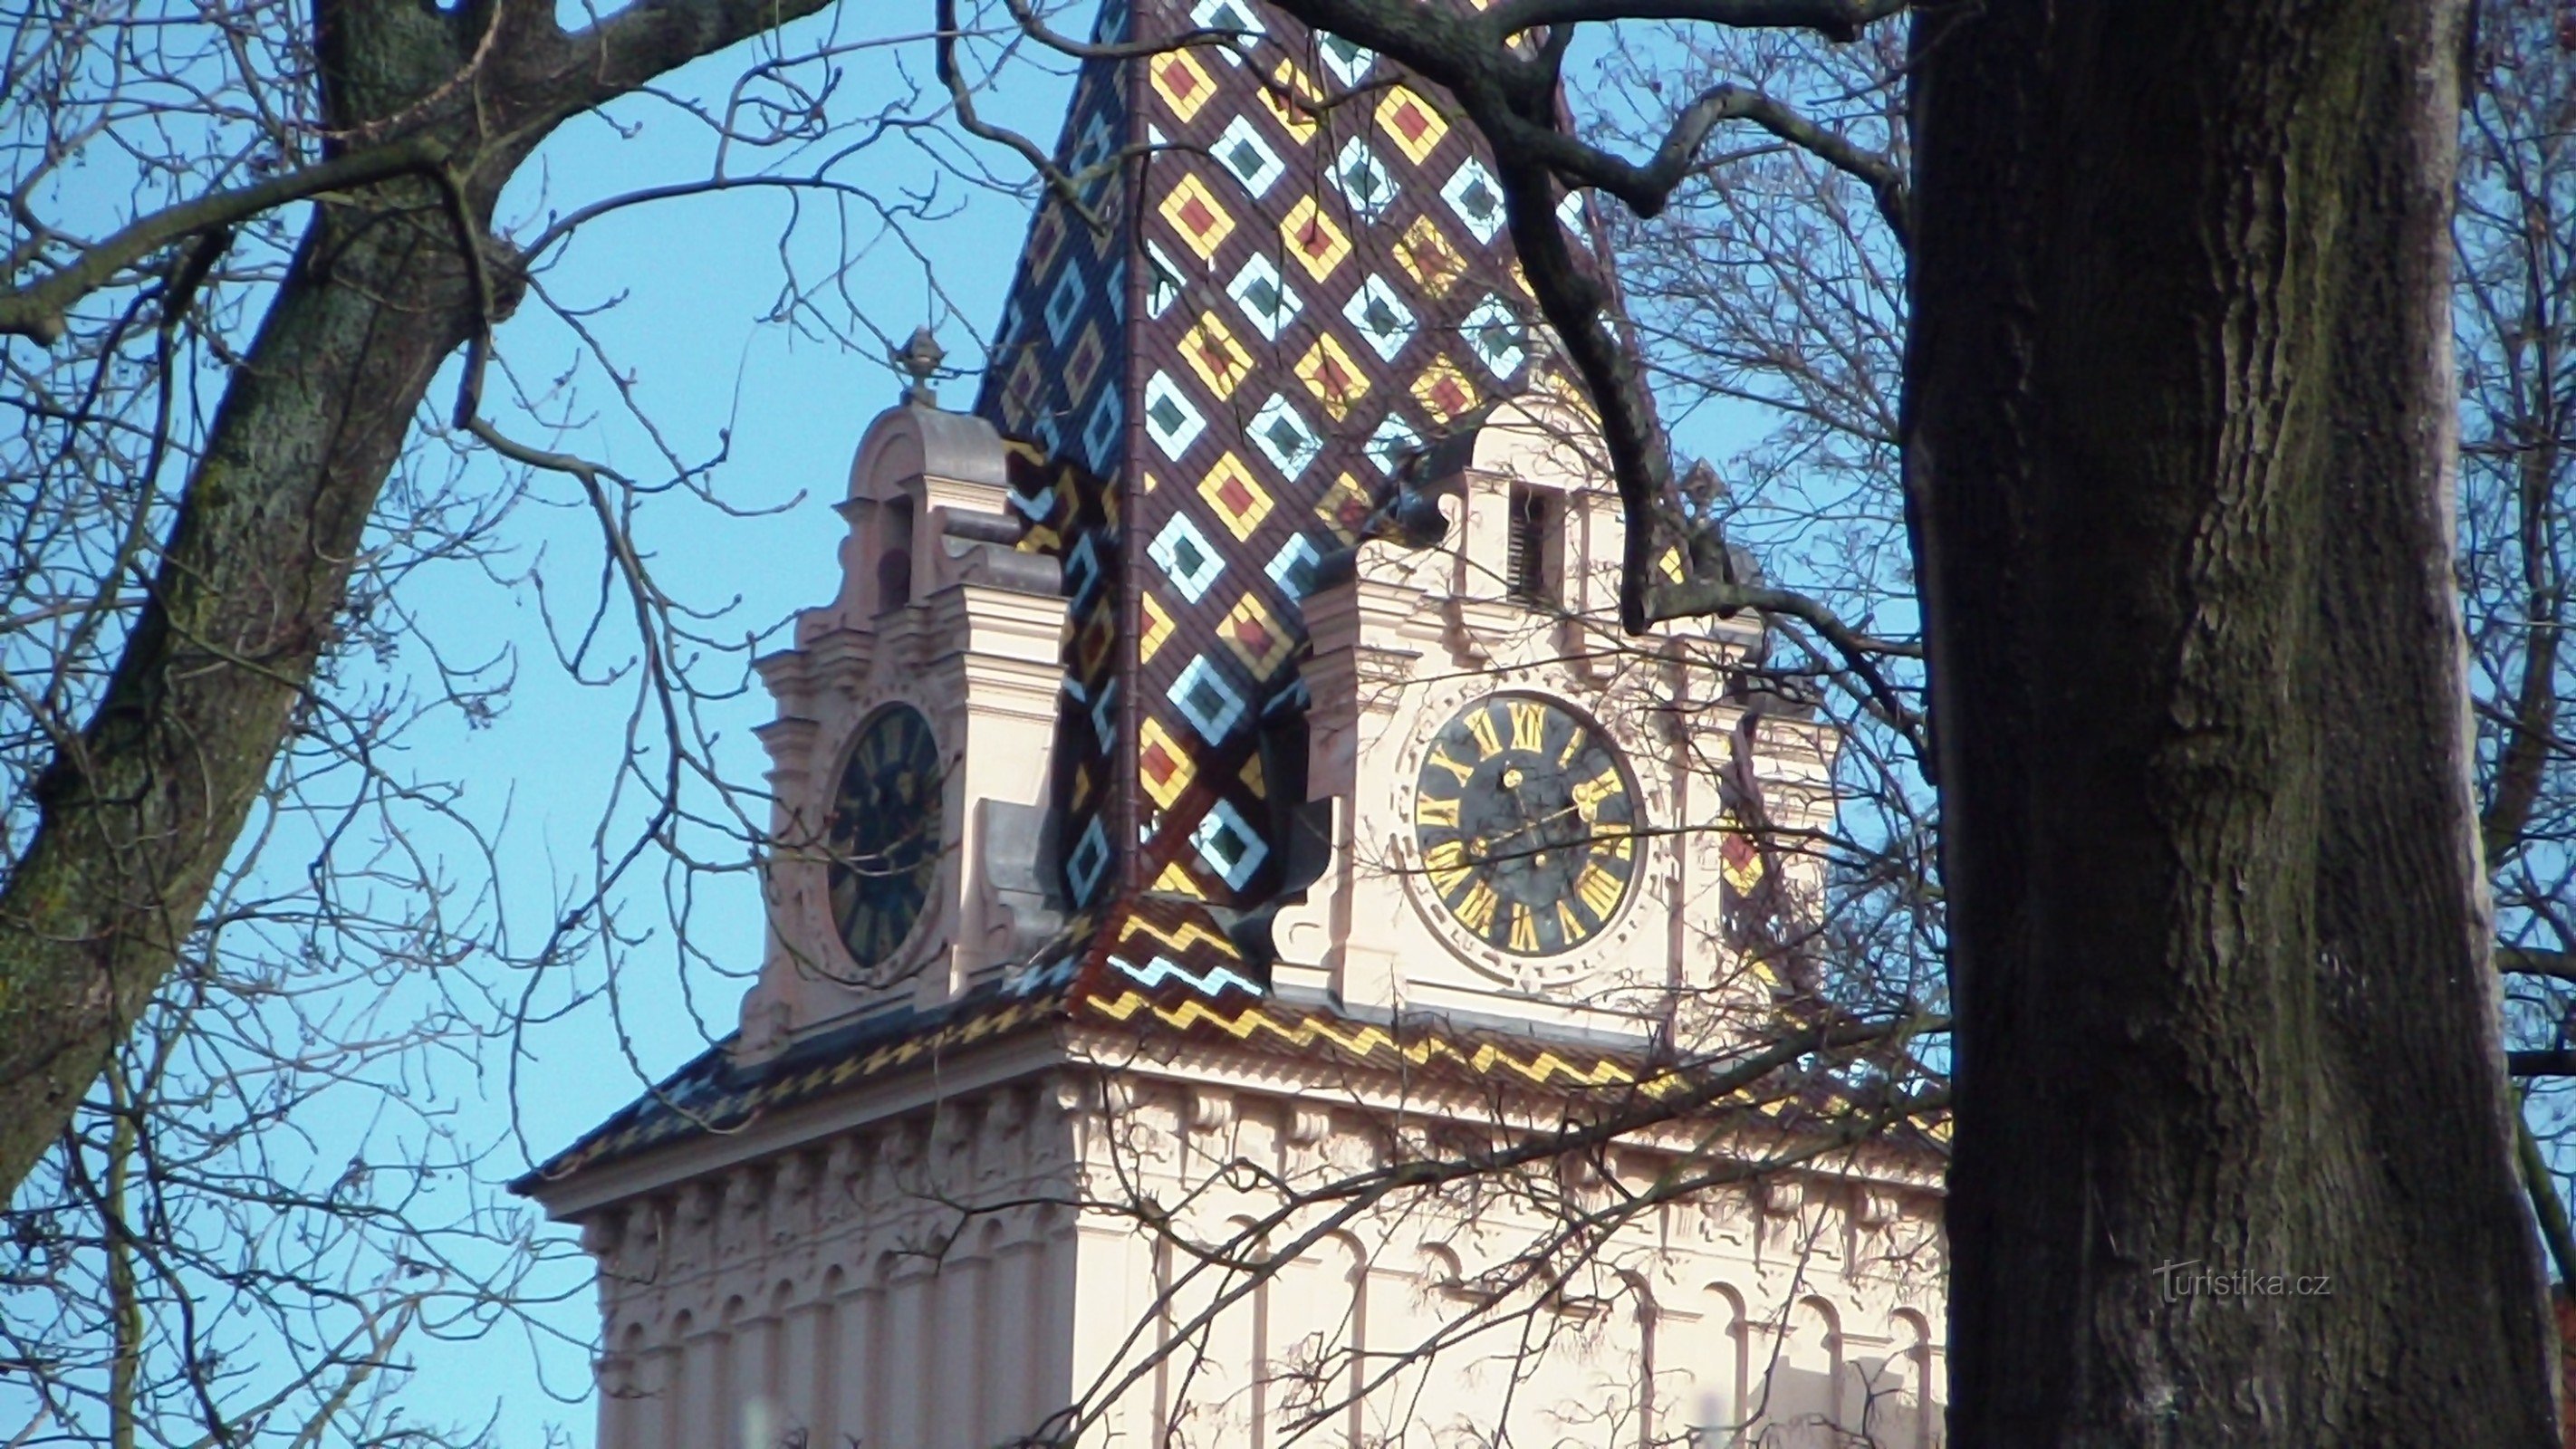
pixel 885 833
pixel 1526 818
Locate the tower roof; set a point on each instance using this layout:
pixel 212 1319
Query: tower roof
pixel 1225 345
pixel 1302 275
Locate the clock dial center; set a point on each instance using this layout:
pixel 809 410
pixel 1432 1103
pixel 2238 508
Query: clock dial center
pixel 885 835
pixel 1525 815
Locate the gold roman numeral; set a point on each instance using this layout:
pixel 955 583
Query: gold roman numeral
pixel 1476 910
pixel 1524 928
pixel 1460 772
pixel 1481 725
pixel 1529 725
pixel 1430 813
pixel 1600 891
pixel 1448 866
pixel 1569 925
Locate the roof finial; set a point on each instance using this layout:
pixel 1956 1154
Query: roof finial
pixel 919 358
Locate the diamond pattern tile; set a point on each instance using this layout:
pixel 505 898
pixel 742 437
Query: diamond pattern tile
pixel 1256 636
pixel 1192 210
pixel 1390 441
pixel 1477 198
pixel 1237 497
pixel 1332 376
pixel 1268 302
pixel 1412 125
pixel 1313 239
pixel 1493 332
pixel 1208 700
pixel 1182 82
pixel 1158 627
pixel 1284 437
pixel 1171 419
pixel 1444 391
pixel 1326 286
pixel 1292 100
pixel 1349 63
pixel 1228 844
pixel 1293 567
pixel 1428 260
pixel 1363 180
pixel 1231 15
pixel 1163 282
pixel 1186 558
pixel 1100 432
pixel 1212 352
pixel 1163 764
pixel 1344 507
pixel 1064 303
pixel 1378 311
pixel 1245 152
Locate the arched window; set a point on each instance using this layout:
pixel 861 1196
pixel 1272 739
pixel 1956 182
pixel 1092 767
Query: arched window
pixel 894 557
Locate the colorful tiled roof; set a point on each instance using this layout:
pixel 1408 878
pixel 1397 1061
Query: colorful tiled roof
pixel 1213 375
pixel 1306 276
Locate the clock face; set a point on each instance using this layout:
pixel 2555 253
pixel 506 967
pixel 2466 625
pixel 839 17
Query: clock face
pixel 1526 816
pixel 885 833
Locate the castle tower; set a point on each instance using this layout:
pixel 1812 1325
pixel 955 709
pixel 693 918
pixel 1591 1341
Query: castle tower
pixel 1214 807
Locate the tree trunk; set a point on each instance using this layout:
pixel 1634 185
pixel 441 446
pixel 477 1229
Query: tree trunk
pixel 2179 452
pixel 139 818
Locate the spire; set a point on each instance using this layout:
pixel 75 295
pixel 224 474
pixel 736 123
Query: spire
pixel 1303 278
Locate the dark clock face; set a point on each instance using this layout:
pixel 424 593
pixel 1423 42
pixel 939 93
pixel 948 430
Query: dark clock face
pixel 885 833
pixel 1526 818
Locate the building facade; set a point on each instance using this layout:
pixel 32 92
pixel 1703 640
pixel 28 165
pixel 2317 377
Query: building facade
pixel 1255 957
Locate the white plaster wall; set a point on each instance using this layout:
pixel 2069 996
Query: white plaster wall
pixel 848 1290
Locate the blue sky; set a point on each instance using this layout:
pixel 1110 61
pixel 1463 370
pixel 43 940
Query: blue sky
pixel 680 296
pixel 695 282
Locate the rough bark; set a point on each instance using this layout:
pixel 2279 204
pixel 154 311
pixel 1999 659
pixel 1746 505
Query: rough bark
pixel 2179 451
pixel 138 814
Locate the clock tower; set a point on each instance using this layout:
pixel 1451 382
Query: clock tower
pixel 908 759
pixel 1252 950
pixel 1527 822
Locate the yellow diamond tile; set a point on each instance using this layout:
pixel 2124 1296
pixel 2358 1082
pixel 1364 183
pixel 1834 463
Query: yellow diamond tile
pixel 1182 82
pixel 1194 212
pixel 1219 360
pixel 1161 763
pixel 1329 373
pixel 1313 240
pixel 1444 391
pixel 1255 636
pixel 1175 880
pixel 1044 237
pixel 1292 100
pixel 1230 490
pixel 1428 259
pixel 1020 394
pixel 1410 122
pixel 1158 627
pixel 1343 507
pixel 1082 362
pixel 1250 774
